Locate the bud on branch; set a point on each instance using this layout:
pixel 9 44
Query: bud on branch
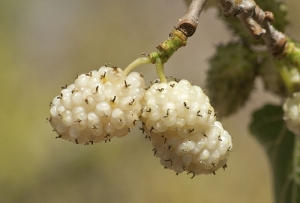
pixel 189 22
pixel 256 21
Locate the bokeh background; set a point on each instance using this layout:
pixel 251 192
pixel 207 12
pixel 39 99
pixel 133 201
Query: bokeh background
pixel 45 43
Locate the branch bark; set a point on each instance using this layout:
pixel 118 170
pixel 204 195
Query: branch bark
pixel 189 22
pixel 257 22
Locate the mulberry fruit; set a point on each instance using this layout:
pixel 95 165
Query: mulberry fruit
pixel 292 113
pixel 183 129
pixel 98 106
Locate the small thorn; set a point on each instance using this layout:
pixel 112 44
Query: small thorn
pixel 185 105
pixel 167 114
pixel 169 160
pixel 132 102
pixel 59 136
pixel 134 122
pixel 126 85
pixel 154 149
pixel 103 76
pixel 216 114
pixel 191 130
pixel 142 129
pixel 97 89
pixel 113 100
pixel 192 173
pixel 115 68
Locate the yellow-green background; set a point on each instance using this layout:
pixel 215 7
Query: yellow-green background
pixel 45 43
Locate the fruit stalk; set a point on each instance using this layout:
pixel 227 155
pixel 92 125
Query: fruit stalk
pixel 137 62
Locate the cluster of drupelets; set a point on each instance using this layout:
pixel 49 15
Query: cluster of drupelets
pixel 176 116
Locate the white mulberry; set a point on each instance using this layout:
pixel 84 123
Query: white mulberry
pixel 291 108
pixel 98 106
pixel 183 128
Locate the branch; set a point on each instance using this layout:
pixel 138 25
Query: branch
pixel 189 22
pixel 185 28
pixel 257 22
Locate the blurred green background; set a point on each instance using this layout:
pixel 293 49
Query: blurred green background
pixel 44 44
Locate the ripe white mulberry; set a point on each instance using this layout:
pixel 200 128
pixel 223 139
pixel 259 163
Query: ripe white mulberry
pixel 291 108
pixel 182 126
pixel 98 106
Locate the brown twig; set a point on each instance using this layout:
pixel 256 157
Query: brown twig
pixel 256 21
pixel 189 22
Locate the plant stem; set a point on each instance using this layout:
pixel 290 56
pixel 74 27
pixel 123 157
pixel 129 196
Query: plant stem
pixel 291 54
pixel 296 168
pixel 137 62
pixel 166 49
pixel 285 75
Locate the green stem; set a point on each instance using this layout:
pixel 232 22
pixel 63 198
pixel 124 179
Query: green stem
pixel 166 49
pixel 289 64
pixel 136 63
pixel 291 54
pixel 296 167
pixel 285 75
pixel 160 70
